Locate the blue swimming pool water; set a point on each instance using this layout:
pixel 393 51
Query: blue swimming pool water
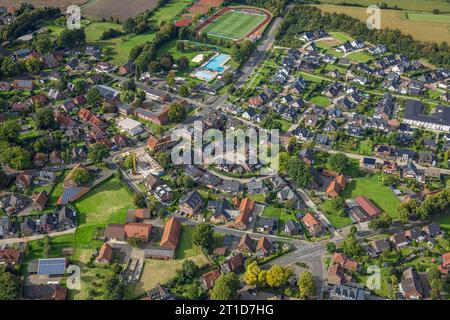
pixel 204 75
pixel 216 63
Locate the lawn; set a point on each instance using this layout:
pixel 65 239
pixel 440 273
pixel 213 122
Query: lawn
pixel 233 25
pixel 186 248
pixel 119 48
pixel 385 276
pixel 320 101
pixel 444 222
pixel 105 204
pixel 258 197
pixel 360 57
pixel 159 272
pixel 341 36
pixel 370 187
pixel 335 219
pixel 279 213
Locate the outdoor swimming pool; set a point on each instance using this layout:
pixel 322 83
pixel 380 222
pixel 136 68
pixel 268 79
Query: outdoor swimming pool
pixel 216 63
pixel 204 75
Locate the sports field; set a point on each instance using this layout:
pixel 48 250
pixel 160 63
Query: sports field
pixel 234 25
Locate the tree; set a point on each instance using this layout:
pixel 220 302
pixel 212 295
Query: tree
pixel 228 77
pixel 177 113
pixel 225 287
pixel 93 97
pixel 183 91
pixel 254 276
pixel 9 131
pixel 47 246
pixel 277 276
pixel 183 63
pixel 166 61
pixel 9 285
pixel 80 176
pixel 140 200
pixel 128 163
pixel 393 288
pixel 72 38
pixel 351 247
pixel 338 203
pixel 170 78
pixel 203 236
pixel 128 25
pixel 43 43
pixel 97 152
pixel 299 172
pixel 331 247
pixel 45 119
pixel 16 157
pixel 306 285
pixel 33 65
pixel 338 162
pixel 2 178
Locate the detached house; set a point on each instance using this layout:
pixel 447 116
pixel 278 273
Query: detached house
pixel 191 204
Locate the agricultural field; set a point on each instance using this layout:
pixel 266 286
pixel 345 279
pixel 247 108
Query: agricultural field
pixel 122 10
pixel 171 10
pixel 415 5
pixel 43 3
pixel 421 26
pixel 233 25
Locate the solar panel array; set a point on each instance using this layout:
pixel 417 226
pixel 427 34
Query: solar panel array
pixel 55 266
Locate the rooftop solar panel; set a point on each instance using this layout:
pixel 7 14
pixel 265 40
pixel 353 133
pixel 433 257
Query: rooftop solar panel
pixel 56 266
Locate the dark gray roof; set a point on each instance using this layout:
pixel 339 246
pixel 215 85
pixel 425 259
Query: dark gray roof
pixel 192 199
pixel 414 109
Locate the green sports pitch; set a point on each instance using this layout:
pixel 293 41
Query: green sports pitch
pixel 234 25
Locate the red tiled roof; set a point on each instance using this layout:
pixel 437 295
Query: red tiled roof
pixel 210 278
pixel 263 244
pixel 138 230
pixel 446 259
pixel 367 206
pixel 309 220
pixel 171 234
pixel 105 253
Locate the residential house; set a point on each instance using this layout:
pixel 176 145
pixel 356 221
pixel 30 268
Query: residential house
pixel 233 264
pixel 336 186
pixel 292 227
pixel 105 254
pixel 314 227
pixel 399 240
pixel 246 208
pixel 267 225
pixel 414 286
pixel 245 244
pixel 191 203
pixel 263 247
pixel 208 279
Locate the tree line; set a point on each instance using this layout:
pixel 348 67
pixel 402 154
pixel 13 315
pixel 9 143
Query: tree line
pixel 27 20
